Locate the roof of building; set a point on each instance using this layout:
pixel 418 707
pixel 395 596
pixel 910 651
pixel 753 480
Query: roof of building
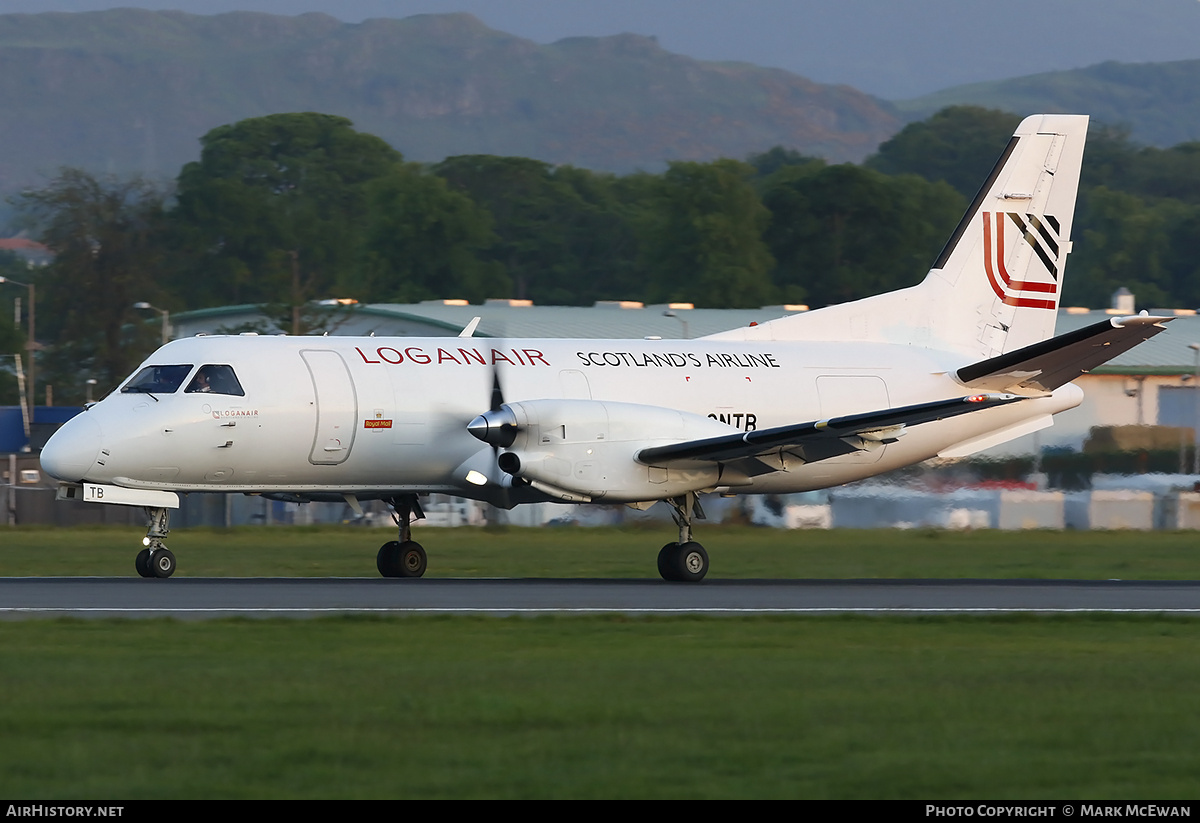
pixel 1168 352
pixel 619 320
pixel 22 244
pixel 31 251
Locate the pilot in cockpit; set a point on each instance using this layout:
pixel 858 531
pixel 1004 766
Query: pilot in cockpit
pixel 201 382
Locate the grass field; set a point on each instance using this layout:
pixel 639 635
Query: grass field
pixel 601 707
pixel 735 552
pixel 1088 707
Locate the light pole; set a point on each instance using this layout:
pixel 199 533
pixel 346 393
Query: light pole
pixel 670 313
pixel 30 344
pixel 1196 411
pixel 166 315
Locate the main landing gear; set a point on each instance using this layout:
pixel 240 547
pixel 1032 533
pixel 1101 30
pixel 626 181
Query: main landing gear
pixel 403 557
pixel 156 560
pixel 685 561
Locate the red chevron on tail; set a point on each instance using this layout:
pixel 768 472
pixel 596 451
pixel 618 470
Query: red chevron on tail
pixel 1035 232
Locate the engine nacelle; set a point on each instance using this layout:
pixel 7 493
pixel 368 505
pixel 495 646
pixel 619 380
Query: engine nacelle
pixel 584 449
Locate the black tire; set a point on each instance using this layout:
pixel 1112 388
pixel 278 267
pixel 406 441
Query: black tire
pixel 142 563
pixel 411 560
pixel 162 563
pixel 388 559
pixel 668 563
pixel 691 563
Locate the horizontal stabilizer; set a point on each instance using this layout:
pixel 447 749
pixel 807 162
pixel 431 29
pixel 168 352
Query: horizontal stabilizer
pixel 822 439
pixel 1043 367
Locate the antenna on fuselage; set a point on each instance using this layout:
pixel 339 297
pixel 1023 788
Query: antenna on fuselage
pixel 469 329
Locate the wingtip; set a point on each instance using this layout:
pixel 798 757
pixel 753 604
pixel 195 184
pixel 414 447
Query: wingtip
pixel 1143 318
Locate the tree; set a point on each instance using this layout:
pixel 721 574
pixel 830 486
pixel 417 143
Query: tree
pixel 425 241
pixel 106 234
pixel 844 232
pixel 1182 265
pixel 1121 241
pixel 1166 173
pixel 702 237
pixel 959 144
pixel 276 207
pixel 768 162
pixel 1108 159
pixel 601 231
pixel 563 235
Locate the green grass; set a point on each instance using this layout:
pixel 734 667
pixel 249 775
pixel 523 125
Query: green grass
pixel 735 552
pixel 601 707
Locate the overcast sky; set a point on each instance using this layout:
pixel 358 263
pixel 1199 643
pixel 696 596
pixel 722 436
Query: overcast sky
pixel 891 48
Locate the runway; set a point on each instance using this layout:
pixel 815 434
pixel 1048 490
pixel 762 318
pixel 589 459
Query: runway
pixel 200 598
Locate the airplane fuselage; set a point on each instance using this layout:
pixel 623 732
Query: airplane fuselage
pixel 377 416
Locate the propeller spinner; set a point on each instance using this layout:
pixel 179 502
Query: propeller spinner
pixel 497 427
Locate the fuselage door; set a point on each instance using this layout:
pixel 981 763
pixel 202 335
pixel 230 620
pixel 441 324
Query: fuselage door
pixel 337 406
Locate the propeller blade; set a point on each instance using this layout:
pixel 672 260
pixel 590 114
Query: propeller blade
pixel 497 391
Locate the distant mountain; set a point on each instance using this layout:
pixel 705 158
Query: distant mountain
pixel 898 50
pixel 1159 102
pixel 134 90
pixel 893 50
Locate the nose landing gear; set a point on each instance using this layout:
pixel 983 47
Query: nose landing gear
pixel 156 560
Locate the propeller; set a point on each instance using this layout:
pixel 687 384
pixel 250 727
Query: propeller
pixel 498 425
pixel 498 428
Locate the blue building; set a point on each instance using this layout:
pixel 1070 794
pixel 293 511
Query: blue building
pixel 46 419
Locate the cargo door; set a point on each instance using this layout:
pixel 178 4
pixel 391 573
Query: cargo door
pixel 337 407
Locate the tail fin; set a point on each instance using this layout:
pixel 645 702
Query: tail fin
pixel 995 287
pixel 1005 260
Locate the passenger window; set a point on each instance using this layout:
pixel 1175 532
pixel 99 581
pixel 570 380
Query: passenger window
pixel 216 380
pixel 157 379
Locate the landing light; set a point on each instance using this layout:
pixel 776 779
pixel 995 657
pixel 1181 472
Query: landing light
pixel 145 541
pixel 476 479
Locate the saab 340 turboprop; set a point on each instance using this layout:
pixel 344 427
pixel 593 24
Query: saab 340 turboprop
pixel 961 362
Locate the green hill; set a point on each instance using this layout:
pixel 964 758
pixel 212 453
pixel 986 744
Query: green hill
pixel 133 90
pixel 1159 102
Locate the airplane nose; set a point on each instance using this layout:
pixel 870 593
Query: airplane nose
pixel 72 451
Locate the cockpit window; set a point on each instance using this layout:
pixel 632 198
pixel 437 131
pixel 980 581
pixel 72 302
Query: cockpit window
pixel 158 379
pixel 216 380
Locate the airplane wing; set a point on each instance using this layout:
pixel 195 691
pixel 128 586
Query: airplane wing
pixel 1045 366
pixel 821 439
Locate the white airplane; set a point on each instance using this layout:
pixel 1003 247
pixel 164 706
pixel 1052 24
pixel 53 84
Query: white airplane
pixel 961 362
